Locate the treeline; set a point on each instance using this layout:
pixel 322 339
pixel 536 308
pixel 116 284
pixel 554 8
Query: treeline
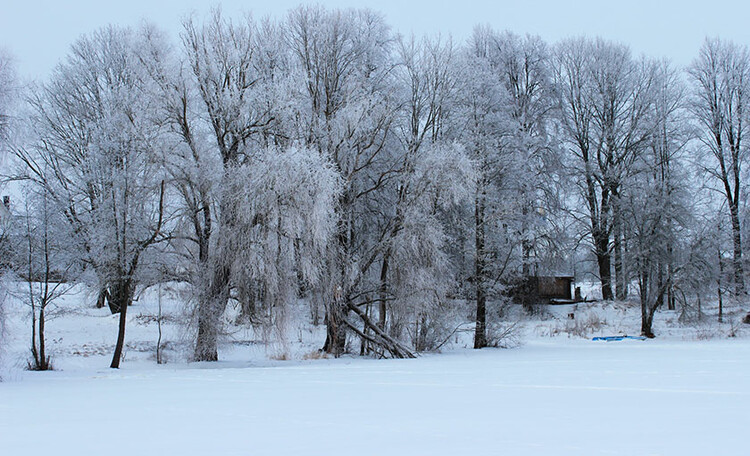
pixel 322 159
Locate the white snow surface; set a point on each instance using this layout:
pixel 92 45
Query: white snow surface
pixel 552 395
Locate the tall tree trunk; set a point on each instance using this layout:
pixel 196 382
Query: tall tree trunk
pixel 120 296
pixel 34 348
pixel 647 310
pixel 621 286
pixel 660 281
pixel 670 287
pixel 383 290
pixel 480 331
pixel 739 274
pixel 603 259
pixel 44 362
pixel 718 286
pixel 336 304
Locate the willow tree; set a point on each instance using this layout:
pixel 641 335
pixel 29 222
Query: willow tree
pixel 347 110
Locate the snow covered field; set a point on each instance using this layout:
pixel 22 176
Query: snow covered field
pixel 576 398
pixel 553 395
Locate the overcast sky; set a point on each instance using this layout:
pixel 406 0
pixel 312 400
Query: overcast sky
pixel 39 33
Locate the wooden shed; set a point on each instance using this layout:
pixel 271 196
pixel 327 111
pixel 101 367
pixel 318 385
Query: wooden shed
pixel 553 287
pixel 545 289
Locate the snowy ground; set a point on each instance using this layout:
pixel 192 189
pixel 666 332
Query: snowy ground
pixel 558 393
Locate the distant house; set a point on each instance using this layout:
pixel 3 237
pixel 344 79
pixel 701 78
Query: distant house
pixel 549 288
pixel 545 290
pixel 5 227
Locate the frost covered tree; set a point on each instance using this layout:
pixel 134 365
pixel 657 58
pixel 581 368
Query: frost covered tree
pixel 523 67
pixel 7 95
pixel 434 178
pixel 8 98
pixel 484 106
pixel 284 202
pixel 655 202
pixel 258 202
pixel 604 102
pixel 348 109
pixel 721 80
pixel 234 86
pixel 96 154
pixel 46 265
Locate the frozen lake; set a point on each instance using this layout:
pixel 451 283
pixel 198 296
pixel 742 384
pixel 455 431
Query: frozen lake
pixel 572 397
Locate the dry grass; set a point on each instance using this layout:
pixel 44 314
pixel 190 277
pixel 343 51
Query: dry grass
pixel 581 325
pixel 315 354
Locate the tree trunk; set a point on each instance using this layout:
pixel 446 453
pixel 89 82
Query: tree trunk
pixel 120 296
pixel 647 319
pixel 647 311
pixel 660 279
pixel 603 258
pixel 382 304
pixel 739 274
pixel 43 360
pixel 480 331
pixel 621 285
pixel 718 286
pixel 335 343
pixel 209 315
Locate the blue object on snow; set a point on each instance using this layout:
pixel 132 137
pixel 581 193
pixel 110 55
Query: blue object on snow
pixel 618 338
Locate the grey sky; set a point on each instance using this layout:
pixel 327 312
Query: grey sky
pixel 39 33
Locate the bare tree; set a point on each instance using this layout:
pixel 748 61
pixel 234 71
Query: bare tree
pixel 46 266
pixel 603 97
pixel 655 202
pixel 95 154
pixel 721 78
pixel 484 104
pixel 8 92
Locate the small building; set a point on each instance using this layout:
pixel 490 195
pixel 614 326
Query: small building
pixel 554 287
pixel 545 290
